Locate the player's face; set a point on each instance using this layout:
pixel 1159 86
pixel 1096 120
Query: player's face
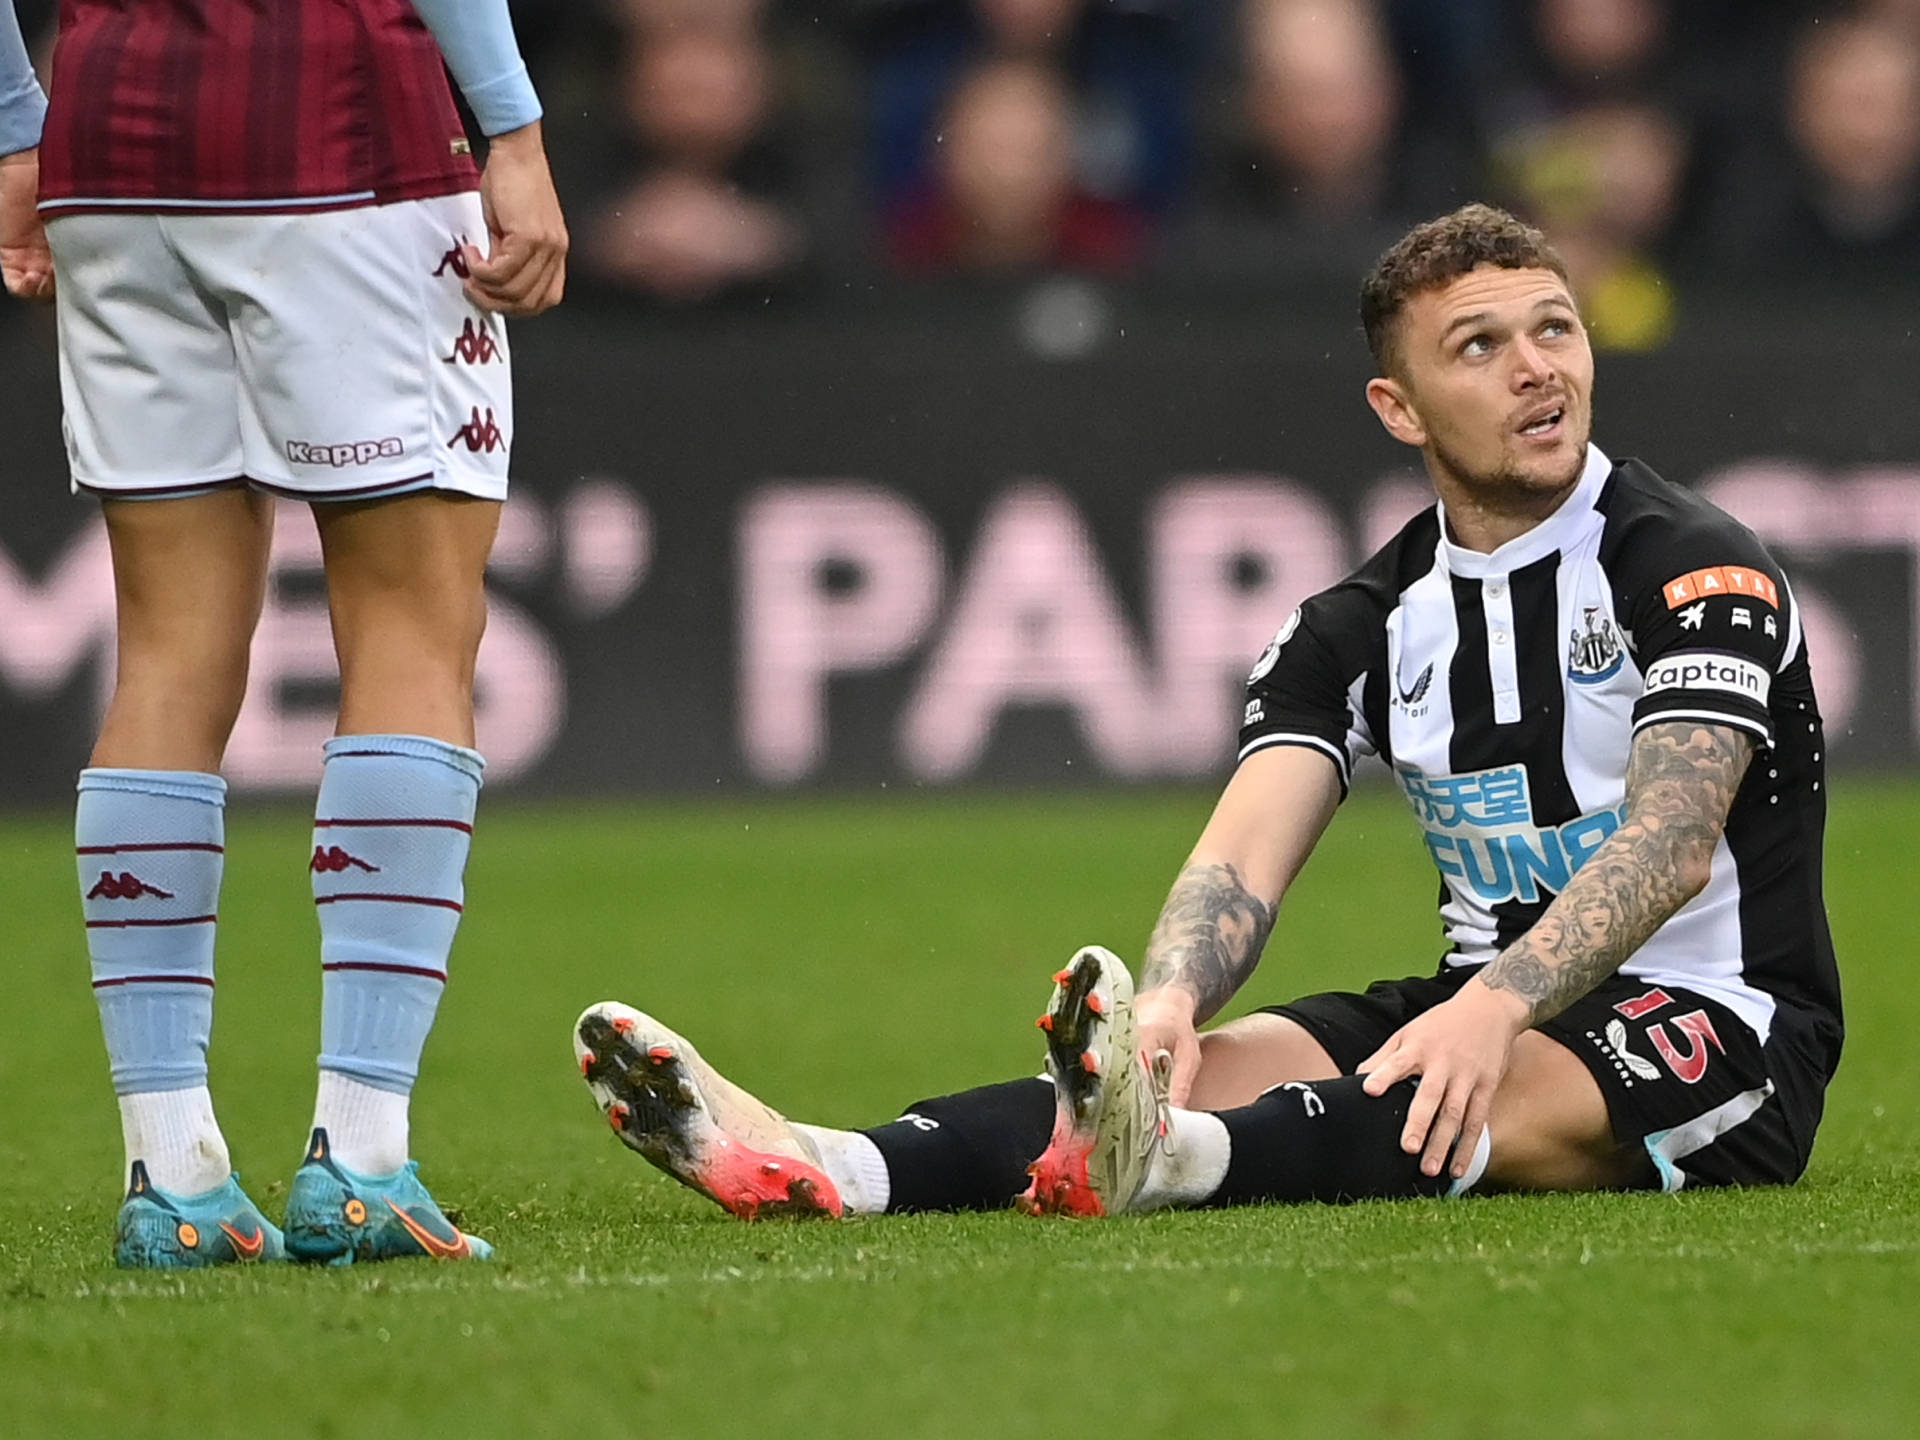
pixel 1495 384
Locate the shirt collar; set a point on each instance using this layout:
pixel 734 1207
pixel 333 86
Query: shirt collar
pixel 1556 532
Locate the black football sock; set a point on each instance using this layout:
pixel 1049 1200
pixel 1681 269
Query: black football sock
pixel 1328 1140
pixel 968 1151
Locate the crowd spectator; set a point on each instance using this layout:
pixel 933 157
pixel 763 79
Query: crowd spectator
pixel 702 211
pixel 1307 186
pixel 735 148
pixel 1089 97
pixel 1854 116
pixel 1003 196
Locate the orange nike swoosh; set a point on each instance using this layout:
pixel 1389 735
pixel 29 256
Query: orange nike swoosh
pixel 249 1246
pixel 455 1249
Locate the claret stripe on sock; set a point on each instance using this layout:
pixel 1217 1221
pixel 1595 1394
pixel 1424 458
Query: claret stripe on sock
pixel 453 905
pixel 462 826
pixel 175 979
pixel 386 969
pixel 148 924
pixel 150 847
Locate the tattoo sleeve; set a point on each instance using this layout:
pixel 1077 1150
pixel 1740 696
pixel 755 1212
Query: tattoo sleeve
pixel 1209 937
pixel 1681 779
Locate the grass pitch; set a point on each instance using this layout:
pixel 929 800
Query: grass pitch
pixel 844 959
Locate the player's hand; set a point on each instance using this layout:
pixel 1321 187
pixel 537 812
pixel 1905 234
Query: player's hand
pixel 1460 1050
pixel 1163 1020
pixel 26 264
pixel 526 269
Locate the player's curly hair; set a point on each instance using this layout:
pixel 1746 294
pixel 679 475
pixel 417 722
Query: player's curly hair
pixel 1435 252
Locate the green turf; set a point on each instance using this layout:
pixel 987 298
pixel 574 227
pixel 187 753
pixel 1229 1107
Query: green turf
pixel 843 959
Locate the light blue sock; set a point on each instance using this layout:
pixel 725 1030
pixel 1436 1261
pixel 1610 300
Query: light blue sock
pixel 390 837
pixel 151 846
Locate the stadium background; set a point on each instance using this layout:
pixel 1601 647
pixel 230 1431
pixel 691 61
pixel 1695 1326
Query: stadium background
pixel 942 417
pixel 1045 409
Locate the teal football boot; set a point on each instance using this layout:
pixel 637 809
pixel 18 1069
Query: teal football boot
pixel 221 1226
pixel 336 1216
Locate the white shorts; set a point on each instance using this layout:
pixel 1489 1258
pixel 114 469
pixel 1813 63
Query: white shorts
pixel 327 356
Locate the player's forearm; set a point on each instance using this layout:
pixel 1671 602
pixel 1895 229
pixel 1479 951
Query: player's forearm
pixel 476 40
pixel 1681 779
pixel 1209 936
pixel 23 105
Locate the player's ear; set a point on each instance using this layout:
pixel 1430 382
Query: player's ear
pixel 1394 406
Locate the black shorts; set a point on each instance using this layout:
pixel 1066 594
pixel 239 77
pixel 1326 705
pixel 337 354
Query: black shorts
pixel 1681 1074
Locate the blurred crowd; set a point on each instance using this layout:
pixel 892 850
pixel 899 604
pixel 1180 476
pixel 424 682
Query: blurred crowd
pixel 725 149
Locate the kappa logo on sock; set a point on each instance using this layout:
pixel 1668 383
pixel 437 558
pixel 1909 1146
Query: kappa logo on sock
pixel 331 860
pixel 125 886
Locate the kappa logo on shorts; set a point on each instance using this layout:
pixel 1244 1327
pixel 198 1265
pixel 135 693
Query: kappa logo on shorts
pixel 479 434
pixel 358 452
pixel 475 345
pixel 455 260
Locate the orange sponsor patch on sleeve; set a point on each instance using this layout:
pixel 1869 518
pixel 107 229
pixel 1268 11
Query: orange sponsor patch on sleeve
pixel 1738 581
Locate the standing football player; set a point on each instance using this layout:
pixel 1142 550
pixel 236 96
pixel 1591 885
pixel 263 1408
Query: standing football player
pixel 1593 689
pixel 277 271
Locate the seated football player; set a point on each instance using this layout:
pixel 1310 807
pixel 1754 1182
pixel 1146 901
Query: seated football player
pixel 1592 688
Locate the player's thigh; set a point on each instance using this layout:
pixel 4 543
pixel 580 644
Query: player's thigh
pixel 364 369
pixel 190 577
pixel 408 573
pixel 148 377
pixel 1551 1127
pixel 189 572
pixel 1243 1059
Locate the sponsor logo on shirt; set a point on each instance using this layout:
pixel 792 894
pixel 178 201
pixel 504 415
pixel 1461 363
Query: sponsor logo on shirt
pixel 1479 828
pixel 1727 673
pixel 1412 695
pixel 1594 653
pixel 1719 580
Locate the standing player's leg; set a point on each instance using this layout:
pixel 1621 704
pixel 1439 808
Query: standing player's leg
pixel 147 383
pixel 189 579
pixel 372 388
pixel 392 827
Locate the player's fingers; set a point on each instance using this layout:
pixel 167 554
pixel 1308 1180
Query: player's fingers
pixel 1479 1108
pixel 1448 1118
pixel 1470 1134
pixel 1426 1100
pixel 557 287
pixel 505 264
pixel 511 292
pixel 1387 1066
pixel 547 293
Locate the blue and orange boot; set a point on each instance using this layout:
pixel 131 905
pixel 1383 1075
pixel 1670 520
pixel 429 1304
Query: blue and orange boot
pixel 159 1231
pixel 336 1216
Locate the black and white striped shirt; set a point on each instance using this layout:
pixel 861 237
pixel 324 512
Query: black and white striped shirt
pixel 1504 690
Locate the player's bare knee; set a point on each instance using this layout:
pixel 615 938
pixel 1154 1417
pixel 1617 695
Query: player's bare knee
pixel 1243 1059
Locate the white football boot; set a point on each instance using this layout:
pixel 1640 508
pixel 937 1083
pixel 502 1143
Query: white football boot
pixel 1112 1111
pixel 664 1101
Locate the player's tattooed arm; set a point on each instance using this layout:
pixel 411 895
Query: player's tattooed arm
pixel 1681 779
pixel 1208 938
